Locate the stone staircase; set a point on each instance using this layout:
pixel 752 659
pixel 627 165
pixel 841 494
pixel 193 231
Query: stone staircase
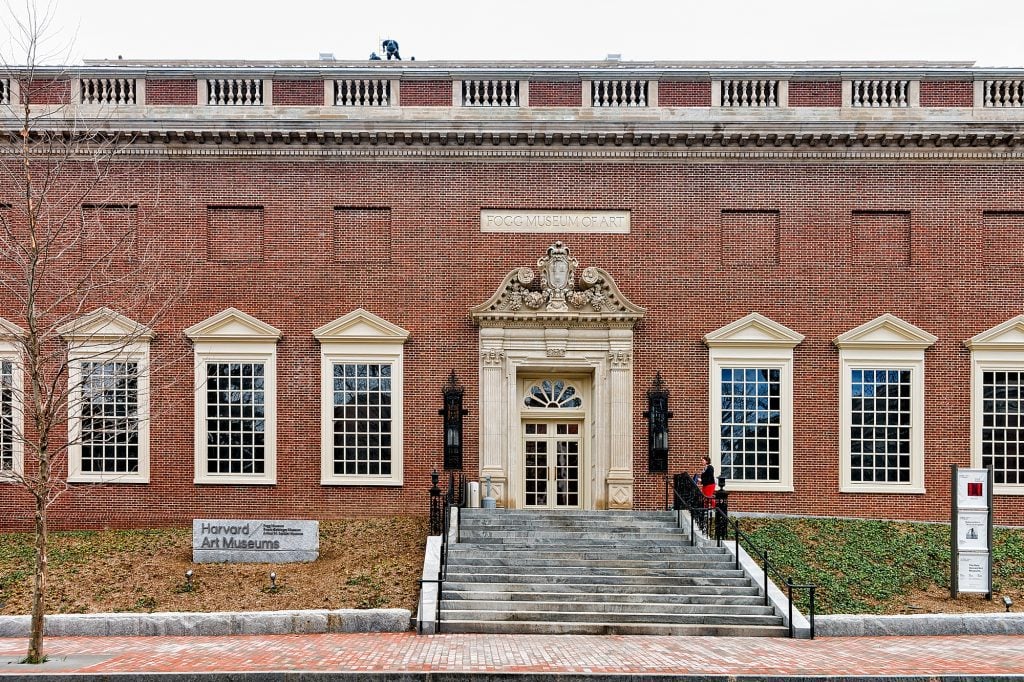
pixel 595 572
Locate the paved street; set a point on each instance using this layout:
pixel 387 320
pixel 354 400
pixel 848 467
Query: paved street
pixel 976 656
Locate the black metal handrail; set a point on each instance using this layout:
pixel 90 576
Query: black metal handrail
pixel 441 505
pixel 703 510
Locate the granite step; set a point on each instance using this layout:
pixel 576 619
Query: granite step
pixel 705 596
pixel 456 606
pixel 571 562
pixel 622 581
pixel 584 572
pixel 618 617
pixel 540 627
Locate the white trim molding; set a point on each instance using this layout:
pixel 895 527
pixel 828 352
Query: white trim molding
pixel 105 336
pixel 1000 348
pixel 11 351
pixel 358 338
pixel 754 342
pixel 893 345
pixel 232 336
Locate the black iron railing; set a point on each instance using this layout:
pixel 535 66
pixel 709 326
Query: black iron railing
pixel 710 515
pixel 441 524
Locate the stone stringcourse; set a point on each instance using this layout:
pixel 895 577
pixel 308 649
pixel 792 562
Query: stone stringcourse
pixel 311 622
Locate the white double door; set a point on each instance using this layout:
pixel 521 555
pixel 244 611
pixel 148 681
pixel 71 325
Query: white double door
pixel 552 455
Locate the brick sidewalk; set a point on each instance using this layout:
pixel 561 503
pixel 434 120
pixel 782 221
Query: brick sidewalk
pixel 405 652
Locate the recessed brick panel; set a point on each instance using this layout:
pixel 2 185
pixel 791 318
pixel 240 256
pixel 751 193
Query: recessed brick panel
pixel 46 91
pixel 750 239
pixel 109 233
pixel 361 234
pixel 298 93
pixel 555 94
pixel 1004 238
pixel 947 93
pixel 166 91
pixel 683 94
pixel 425 94
pixel 234 233
pixel 815 94
pixel 880 238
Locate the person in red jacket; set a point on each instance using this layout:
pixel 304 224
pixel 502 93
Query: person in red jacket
pixel 707 477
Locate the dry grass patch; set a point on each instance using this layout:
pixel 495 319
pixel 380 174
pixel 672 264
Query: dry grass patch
pixel 364 563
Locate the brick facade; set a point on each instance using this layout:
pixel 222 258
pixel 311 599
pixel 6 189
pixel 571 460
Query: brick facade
pixel 299 93
pixel 171 92
pixel 555 94
pixel 426 94
pixel 819 221
pixel 684 94
pixel 815 94
pixel 46 91
pixel 438 265
pixel 947 93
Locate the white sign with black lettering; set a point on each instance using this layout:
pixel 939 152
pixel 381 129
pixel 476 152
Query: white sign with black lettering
pixel 254 541
pixel 973 572
pixel 972 531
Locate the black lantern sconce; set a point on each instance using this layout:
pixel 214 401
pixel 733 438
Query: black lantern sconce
pixel 657 416
pixel 452 413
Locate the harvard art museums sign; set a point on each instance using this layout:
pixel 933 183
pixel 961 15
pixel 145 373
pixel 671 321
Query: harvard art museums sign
pixel 241 541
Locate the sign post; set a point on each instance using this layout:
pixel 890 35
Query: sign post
pixel 971 532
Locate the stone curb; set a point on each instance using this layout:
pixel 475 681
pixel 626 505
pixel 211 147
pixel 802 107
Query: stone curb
pixel 920 624
pixel 213 624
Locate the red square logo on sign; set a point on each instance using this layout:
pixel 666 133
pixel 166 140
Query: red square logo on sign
pixel 974 490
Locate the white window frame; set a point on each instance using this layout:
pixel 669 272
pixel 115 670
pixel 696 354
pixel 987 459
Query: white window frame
pixel 889 343
pixel 998 348
pixel 106 336
pixel 235 337
pixel 361 337
pixel 753 341
pixel 10 351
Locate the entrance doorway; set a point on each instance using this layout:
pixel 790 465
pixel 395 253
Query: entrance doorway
pixel 552 457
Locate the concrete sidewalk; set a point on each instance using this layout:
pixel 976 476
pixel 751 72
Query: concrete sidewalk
pixel 406 657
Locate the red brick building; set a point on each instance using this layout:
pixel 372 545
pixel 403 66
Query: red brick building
pixel 823 261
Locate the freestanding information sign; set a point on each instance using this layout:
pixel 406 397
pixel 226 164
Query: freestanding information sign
pixel 971 532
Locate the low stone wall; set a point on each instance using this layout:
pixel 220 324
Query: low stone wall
pixel 920 624
pixel 212 624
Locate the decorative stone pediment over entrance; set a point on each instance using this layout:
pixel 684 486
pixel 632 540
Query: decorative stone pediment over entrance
pixel 556 294
pixel 559 326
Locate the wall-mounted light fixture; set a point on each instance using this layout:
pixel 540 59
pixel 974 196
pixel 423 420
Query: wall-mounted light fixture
pixel 657 416
pixel 452 413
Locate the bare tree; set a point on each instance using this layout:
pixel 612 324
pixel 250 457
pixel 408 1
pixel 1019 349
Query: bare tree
pixel 83 291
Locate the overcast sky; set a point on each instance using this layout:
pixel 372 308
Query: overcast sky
pixel 985 31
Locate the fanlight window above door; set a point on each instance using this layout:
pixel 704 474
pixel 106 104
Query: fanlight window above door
pixel 553 394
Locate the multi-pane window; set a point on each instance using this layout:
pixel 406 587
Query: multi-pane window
pixel 7 434
pixel 880 425
pixel 362 425
pixel 1002 425
pixel 109 417
pixel 751 422
pixel 235 418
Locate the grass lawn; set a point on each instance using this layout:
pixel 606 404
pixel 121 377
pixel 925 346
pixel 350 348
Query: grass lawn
pixel 884 567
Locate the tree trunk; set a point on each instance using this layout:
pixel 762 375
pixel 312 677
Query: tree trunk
pixel 35 642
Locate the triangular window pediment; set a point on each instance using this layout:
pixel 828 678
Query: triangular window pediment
pixel 104 324
pixel 1009 334
pixel 360 325
pixel 232 325
pixel 753 330
pixel 886 331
